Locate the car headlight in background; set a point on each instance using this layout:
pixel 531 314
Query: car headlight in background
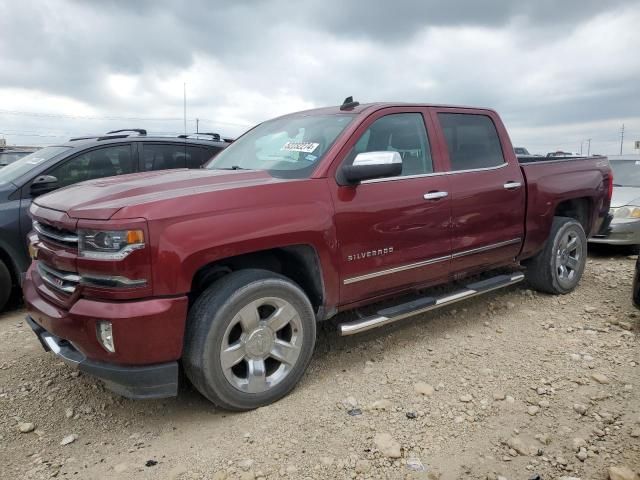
pixel 630 211
pixel 109 244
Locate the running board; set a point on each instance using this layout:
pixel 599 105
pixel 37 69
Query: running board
pixel 424 304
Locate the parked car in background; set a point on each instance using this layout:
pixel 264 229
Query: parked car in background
pixel 625 203
pixel 560 154
pixel 227 269
pixel 10 155
pixel 521 151
pixel 117 153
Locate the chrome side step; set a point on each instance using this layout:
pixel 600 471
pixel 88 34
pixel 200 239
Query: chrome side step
pixel 425 304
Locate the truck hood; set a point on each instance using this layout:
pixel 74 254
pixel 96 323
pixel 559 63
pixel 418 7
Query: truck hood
pixel 101 199
pixel 625 196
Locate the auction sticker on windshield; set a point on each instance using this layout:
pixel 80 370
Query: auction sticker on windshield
pixel 306 147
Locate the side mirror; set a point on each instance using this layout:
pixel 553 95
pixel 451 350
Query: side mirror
pixel 370 165
pixel 43 184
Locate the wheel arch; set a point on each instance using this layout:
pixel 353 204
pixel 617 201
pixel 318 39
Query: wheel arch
pixel 9 260
pixel 580 209
pixel 300 263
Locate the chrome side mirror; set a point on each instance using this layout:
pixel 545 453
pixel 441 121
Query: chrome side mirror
pixel 370 165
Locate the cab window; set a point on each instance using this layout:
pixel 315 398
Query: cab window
pixel 472 141
pixel 404 133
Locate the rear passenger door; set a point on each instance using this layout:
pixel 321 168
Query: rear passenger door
pixel 487 190
pixel 162 156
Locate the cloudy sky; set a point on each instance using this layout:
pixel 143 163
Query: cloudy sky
pixel 558 72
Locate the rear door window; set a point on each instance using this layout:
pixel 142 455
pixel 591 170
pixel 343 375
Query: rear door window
pixel 198 156
pixel 157 156
pixel 98 163
pixel 472 141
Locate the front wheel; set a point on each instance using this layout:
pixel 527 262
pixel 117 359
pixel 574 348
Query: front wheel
pixel 557 269
pixel 249 339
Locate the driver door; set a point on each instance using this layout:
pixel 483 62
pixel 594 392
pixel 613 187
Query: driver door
pixel 394 233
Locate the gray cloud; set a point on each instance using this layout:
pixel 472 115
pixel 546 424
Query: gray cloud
pixel 542 64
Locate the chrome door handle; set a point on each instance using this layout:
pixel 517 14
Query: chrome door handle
pixel 435 195
pixel 512 185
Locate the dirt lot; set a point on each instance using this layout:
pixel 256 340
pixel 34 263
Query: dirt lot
pixel 511 385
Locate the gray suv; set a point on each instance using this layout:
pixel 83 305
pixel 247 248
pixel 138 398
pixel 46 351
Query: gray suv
pixel 116 153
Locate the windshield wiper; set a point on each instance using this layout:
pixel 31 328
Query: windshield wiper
pixel 234 167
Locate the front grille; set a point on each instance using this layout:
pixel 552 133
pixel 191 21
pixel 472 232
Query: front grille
pixel 57 235
pixel 65 282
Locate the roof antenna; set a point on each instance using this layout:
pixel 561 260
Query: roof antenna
pixel 349 104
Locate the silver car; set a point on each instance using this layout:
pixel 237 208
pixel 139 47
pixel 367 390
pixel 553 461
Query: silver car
pixel 625 202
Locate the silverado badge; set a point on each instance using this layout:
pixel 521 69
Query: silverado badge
pixel 369 253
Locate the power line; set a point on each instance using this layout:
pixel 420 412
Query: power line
pixel 89 117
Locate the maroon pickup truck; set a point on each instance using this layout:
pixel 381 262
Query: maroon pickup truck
pixel 225 271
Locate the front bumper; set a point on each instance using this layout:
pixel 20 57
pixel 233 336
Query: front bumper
pixel 137 382
pixel 620 232
pixel 146 332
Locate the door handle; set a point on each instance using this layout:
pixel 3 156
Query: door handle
pixel 435 195
pixel 512 185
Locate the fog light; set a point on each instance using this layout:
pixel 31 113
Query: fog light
pixel 105 336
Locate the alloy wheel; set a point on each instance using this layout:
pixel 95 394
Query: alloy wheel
pixel 261 344
pixel 568 258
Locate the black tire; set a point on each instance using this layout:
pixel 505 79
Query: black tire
pixel 6 285
pixel 633 249
pixel 212 321
pixel 544 271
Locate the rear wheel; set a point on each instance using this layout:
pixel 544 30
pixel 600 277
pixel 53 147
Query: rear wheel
pixel 559 266
pixel 5 285
pixel 250 337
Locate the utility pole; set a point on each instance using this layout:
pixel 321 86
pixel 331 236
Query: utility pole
pixel 581 142
pixel 588 147
pixel 621 138
pixel 197 125
pixel 184 96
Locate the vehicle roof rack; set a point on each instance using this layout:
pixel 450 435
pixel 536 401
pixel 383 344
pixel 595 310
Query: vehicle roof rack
pixel 110 135
pixel 139 131
pixel 215 136
pixel 349 104
pixel 82 138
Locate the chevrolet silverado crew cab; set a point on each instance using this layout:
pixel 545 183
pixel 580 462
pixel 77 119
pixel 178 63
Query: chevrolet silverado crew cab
pixel 225 271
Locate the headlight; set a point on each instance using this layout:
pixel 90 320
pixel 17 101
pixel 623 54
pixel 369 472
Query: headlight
pixel 629 211
pixel 109 245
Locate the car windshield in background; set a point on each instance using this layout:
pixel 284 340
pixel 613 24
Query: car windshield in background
pixel 289 147
pixel 9 157
pixel 626 173
pixel 18 168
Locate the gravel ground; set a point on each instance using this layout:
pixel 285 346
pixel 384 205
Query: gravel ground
pixel 512 385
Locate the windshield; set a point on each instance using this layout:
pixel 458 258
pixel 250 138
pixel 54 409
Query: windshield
pixel 289 147
pixel 20 167
pixel 626 173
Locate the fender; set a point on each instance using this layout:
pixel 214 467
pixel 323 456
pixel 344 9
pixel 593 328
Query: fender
pixel 182 246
